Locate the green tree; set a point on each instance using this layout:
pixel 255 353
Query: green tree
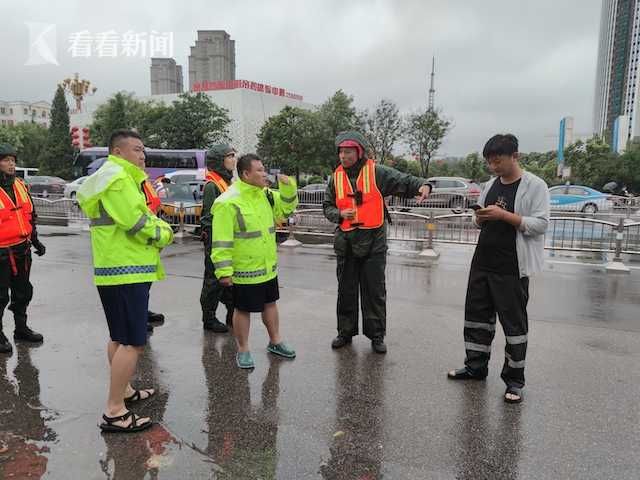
pixel 124 111
pixel 628 169
pixel 474 168
pixel 440 168
pixel 112 115
pixel 33 140
pixel 28 138
pixel 193 121
pixel 592 162
pixel 403 165
pixel 290 140
pixel 337 114
pixel 382 128
pixel 11 135
pixel 544 165
pixel 424 133
pixel 57 157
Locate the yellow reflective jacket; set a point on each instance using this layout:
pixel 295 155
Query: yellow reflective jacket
pixel 244 230
pixel 126 238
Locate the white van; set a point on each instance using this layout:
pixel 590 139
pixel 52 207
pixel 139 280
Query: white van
pixel 26 172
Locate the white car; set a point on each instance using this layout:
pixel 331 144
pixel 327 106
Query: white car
pixel 71 188
pixel 577 198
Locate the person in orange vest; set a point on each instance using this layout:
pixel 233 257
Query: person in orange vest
pixel 154 203
pixel 17 235
pixel 221 162
pixel 354 200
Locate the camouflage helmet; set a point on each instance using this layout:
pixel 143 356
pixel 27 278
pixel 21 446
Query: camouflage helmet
pixel 7 150
pixel 216 154
pixel 354 136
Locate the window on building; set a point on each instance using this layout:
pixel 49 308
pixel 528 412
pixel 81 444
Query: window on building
pixel 26 111
pixel 44 114
pixel 11 111
pixel 2 110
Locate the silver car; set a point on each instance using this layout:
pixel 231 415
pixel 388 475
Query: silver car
pixel 452 192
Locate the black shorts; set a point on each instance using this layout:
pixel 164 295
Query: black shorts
pixel 253 298
pixel 126 308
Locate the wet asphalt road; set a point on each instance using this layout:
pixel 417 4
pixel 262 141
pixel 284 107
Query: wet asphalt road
pixel 349 414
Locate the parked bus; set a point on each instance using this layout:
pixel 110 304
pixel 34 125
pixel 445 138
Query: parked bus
pixel 158 162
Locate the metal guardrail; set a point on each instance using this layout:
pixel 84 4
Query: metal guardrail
pixel 435 201
pixel 61 209
pixel 565 233
pixel 577 233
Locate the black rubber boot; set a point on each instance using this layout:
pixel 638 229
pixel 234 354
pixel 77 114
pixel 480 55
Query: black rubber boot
pixel 23 333
pixel 340 341
pixel 378 346
pixel 211 323
pixel 155 317
pixel 5 346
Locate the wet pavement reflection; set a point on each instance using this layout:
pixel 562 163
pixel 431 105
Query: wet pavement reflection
pixel 136 456
pixel 489 445
pixel 356 448
pixel 24 433
pixel 241 438
pixel 333 415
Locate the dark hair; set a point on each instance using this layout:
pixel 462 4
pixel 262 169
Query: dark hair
pixel 121 134
pixel 501 144
pixel 245 161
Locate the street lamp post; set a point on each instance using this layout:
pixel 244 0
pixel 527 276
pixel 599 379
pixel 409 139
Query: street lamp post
pixel 78 89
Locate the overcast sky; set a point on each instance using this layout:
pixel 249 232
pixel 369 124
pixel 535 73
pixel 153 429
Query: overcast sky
pixel 501 65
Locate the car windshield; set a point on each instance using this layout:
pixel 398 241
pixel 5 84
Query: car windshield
pixel 183 178
pixel 172 192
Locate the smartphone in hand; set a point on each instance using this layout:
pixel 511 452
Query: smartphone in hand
pixel 475 207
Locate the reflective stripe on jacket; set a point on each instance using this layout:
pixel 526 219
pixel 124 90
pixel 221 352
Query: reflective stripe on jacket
pixel 244 228
pixel 367 200
pixel 126 238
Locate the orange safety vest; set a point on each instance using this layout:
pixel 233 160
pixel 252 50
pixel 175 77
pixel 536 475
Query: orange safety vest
pixel 153 200
pixel 370 211
pixel 220 182
pixel 15 218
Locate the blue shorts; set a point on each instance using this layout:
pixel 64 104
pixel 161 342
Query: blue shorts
pixel 126 307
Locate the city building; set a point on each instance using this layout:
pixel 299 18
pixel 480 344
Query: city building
pixel 212 58
pixel 617 80
pixel 250 104
pixel 166 76
pixel 12 113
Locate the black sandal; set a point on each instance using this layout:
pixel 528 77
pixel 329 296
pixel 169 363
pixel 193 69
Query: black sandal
pixel 513 391
pixel 108 425
pixel 136 397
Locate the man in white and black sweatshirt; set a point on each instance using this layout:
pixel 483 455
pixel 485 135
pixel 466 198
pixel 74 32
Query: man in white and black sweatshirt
pixel 513 219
